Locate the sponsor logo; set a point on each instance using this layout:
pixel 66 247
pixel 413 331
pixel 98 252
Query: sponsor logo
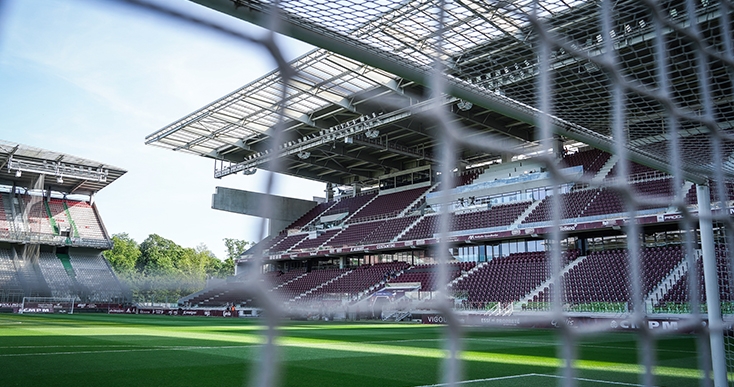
pixel 120 311
pixel 568 228
pixel 651 324
pixel 501 321
pixel 436 319
pixel 37 310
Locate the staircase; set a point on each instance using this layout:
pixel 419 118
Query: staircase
pixel 317 287
pixel 668 282
pixel 525 214
pixel 467 274
pixel 548 282
pixel 605 169
pixel 346 220
pixel 409 208
pixel 400 235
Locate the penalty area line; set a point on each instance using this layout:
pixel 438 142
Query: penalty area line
pixel 531 375
pixel 182 348
pixel 480 380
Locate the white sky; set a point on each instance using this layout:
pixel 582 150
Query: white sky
pixel 93 78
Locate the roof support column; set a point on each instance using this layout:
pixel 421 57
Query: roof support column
pixel 716 323
pixel 329 192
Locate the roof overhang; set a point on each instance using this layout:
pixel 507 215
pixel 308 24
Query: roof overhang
pixel 26 166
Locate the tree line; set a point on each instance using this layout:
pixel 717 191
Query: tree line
pixel 160 270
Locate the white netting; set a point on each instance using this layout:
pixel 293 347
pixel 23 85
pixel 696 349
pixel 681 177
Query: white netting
pixel 649 82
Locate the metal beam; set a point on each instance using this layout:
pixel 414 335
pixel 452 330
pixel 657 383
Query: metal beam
pixel 711 281
pixel 330 164
pixel 299 28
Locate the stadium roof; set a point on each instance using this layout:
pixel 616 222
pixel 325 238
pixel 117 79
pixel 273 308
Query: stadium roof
pixel 491 56
pixel 353 121
pixel 22 165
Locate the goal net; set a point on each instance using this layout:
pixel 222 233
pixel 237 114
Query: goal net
pixel 649 83
pixel 47 305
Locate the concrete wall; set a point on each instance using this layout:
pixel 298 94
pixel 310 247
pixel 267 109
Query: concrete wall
pixel 283 210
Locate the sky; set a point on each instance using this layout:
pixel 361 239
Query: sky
pixel 92 78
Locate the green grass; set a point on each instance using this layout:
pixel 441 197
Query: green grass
pixel 103 350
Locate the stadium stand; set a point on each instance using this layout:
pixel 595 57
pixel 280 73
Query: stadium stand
pixel 356 282
pixel 594 281
pixel 60 279
pixel 500 215
pixel 94 273
pixel 677 297
pixel 592 160
pixel 85 216
pixel 388 206
pixel 426 274
pixel 620 79
pixel 51 244
pixel 350 205
pixel 354 233
pixel 389 230
pixel 9 282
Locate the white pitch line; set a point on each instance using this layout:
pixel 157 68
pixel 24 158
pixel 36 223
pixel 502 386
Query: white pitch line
pixel 68 346
pixel 533 343
pixel 591 380
pixel 186 348
pixel 480 380
pixel 532 374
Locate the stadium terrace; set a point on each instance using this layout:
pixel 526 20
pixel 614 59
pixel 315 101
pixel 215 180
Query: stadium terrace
pixel 556 164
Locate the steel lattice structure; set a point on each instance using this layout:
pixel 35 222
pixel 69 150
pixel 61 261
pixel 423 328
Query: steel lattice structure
pixel 491 60
pixel 462 82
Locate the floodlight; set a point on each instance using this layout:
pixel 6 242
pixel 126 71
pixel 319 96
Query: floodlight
pixel 59 179
pixel 464 105
pixel 303 155
pixel 18 173
pixel 373 133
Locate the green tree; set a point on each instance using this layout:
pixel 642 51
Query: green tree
pixel 160 270
pixel 159 256
pixel 235 248
pixel 124 254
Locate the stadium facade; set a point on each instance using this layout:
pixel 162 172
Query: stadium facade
pixel 557 159
pixel 51 233
pixel 576 170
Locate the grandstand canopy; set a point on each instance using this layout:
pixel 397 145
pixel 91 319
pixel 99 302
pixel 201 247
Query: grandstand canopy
pixel 345 122
pixel 378 56
pixel 22 165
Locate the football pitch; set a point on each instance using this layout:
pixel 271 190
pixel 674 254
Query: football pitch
pixel 114 350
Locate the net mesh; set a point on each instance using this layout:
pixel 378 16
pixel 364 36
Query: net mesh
pixel 647 81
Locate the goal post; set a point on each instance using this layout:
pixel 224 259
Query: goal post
pixel 47 305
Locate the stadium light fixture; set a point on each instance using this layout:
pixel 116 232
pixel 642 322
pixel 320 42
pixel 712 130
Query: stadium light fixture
pixel 372 133
pixel 464 105
pixel 59 179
